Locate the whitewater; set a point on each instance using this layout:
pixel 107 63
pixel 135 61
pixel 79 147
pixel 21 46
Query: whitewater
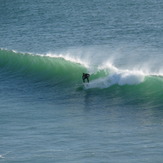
pixel 47 113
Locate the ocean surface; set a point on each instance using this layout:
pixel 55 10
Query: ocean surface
pixel 47 114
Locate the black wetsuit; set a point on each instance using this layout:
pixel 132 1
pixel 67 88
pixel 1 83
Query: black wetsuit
pixel 85 76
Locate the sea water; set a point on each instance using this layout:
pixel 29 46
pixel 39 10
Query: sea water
pixel 47 114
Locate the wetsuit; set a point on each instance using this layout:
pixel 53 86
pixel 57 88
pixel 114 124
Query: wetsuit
pixel 85 76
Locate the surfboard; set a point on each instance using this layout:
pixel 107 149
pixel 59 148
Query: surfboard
pixel 82 86
pixel 86 85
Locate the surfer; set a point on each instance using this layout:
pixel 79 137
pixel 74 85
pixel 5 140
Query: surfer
pixel 85 76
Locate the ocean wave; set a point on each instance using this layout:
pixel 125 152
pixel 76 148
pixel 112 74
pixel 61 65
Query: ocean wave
pixel 69 69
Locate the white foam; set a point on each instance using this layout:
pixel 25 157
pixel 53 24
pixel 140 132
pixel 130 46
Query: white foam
pixel 120 77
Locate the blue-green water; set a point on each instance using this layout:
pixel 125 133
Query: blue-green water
pixel 47 114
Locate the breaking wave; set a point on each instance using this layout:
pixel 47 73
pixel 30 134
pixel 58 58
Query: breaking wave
pixel 68 69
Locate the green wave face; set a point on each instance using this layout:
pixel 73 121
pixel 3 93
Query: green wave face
pixel 41 66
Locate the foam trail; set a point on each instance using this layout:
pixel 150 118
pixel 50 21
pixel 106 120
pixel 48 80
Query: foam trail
pixel 3 155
